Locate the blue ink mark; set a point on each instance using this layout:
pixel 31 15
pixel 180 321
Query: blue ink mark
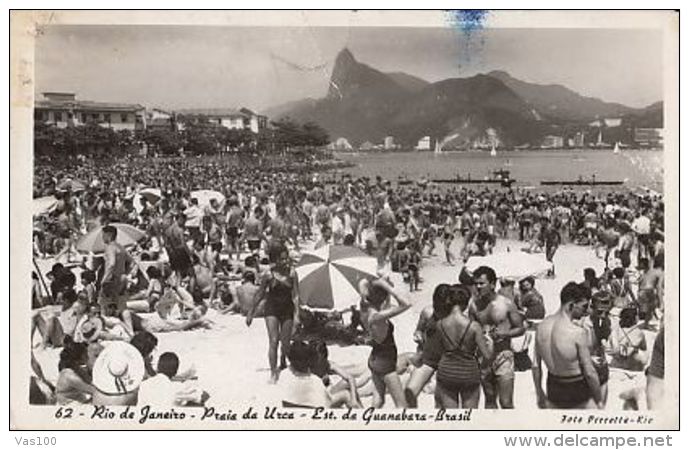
pixel 469 22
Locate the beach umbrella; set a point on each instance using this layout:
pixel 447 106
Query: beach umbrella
pixel 512 265
pixel 152 195
pixel 69 184
pixel 44 205
pixel 329 277
pixel 92 242
pixel 204 196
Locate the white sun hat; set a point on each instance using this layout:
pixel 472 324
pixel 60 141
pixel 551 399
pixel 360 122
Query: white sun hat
pixel 119 369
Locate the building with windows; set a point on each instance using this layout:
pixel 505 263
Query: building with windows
pixel 648 137
pixel 389 143
pixel 424 143
pixel 62 109
pixel 234 119
pixel 340 144
pixel 578 140
pixel 551 141
pixel 158 119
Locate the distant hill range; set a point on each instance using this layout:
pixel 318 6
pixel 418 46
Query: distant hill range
pixel 364 104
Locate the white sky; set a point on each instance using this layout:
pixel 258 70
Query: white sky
pixel 194 66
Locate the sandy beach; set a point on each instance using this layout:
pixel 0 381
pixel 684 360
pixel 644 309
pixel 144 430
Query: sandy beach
pixel 232 365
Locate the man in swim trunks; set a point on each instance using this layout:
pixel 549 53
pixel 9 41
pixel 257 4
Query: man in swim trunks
pixel 176 246
pixel 501 319
pixel 118 265
pixel 202 283
pixel 235 221
pixel 624 249
pixel 253 231
pixel 553 240
pixel 385 231
pixel 563 345
pixel 650 282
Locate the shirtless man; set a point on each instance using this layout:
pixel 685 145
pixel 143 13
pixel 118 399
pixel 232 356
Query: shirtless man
pixel 118 265
pixel 564 347
pixel 277 227
pixel 610 239
pixel 253 231
pixel 246 292
pixel 650 289
pixel 624 249
pixel 385 226
pixel 307 210
pixel 502 321
pixel 234 221
pixel 202 284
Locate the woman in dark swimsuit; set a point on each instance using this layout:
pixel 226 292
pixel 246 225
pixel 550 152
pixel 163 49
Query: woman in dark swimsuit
pixel 429 353
pixel 459 377
pixel 376 314
pixel 278 289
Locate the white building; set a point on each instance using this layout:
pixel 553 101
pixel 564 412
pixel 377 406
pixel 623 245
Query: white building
pixel 611 123
pixel 578 140
pixel 389 143
pixel 63 110
pixel 161 120
pixel 551 141
pixel 234 119
pixel 424 143
pixel 342 144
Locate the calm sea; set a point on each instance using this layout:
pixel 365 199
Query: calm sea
pixel 638 167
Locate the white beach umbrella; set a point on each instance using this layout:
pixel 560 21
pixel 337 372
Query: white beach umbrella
pixel 204 196
pixel 44 205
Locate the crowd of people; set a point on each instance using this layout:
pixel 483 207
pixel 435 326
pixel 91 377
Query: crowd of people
pixel 235 253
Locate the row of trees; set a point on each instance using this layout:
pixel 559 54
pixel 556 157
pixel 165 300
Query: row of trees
pixel 194 135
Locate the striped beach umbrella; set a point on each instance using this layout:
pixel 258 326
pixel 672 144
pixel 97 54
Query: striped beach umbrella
pixel 329 276
pixel 92 242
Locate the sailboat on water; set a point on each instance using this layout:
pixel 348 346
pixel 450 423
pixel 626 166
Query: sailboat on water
pixel 493 152
pixel 617 148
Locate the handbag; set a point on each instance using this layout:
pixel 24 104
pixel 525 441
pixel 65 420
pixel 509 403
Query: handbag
pixel 520 348
pixel 522 361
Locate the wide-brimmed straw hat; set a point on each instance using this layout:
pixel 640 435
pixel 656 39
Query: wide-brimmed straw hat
pixel 119 369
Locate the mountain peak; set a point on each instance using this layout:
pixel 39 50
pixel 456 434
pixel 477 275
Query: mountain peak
pixel 345 56
pixel 343 70
pixel 351 78
pixel 499 74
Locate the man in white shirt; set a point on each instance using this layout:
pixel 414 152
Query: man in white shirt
pixel 299 387
pixel 642 227
pixel 159 391
pixel 338 226
pixel 194 215
pixel 642 224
